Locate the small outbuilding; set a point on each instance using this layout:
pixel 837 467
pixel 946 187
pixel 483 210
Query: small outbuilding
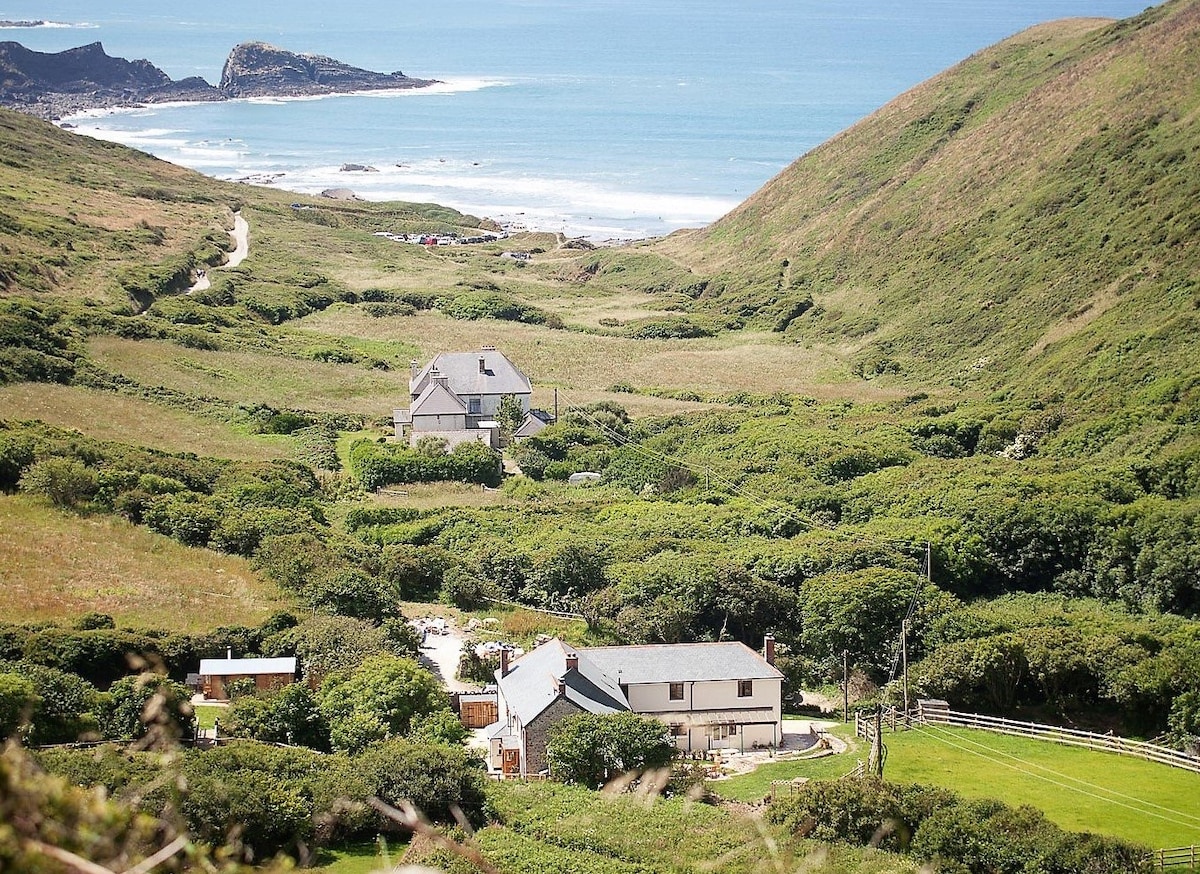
pixel 267 674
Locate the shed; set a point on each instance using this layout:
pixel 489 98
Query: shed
pixel 216 674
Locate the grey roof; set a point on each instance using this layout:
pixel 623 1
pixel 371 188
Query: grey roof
pixel 499 376
pixel 680 662
pixel 437 400
pixel 538 678
pixel 246 667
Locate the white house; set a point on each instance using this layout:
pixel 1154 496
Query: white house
pixel 457 394
pixel 710 695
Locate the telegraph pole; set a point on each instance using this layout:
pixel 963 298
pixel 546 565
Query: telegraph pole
pixel 904 659
pixel 875 762
pixel 845 685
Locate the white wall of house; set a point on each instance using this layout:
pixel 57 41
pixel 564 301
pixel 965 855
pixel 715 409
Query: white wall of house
pixel 705 695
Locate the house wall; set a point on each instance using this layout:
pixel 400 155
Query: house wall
pixel 705 695
pixel 215 686
pixel 533 761
pixel 447 422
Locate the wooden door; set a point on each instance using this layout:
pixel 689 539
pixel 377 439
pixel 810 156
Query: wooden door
pixel 511 763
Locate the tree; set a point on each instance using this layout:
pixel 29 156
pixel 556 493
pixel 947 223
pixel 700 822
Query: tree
pixel 287 716
pixel 147 706
pixel 592 748
pixel 377 699
pixel 510 414
pixel 65 481
pixel 435 778
pixel 19 702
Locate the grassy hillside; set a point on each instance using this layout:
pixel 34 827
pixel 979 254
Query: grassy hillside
pixel 1026 220
pixel 58 567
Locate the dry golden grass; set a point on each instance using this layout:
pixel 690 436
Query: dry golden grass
pixel 107 416
pixel 585 366
pixel 57 566
pixel 255 378
pixel 430 496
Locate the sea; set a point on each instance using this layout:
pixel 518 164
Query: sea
pixel 605 119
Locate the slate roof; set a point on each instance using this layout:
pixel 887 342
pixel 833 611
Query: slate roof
pixel 498 377
pixel 246 667
pixel 437 400
pixel 680 662
pixel 535 680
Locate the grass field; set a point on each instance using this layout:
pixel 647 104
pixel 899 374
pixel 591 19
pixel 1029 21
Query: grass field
pixel 56 566
pixel 589 363
pixel 109 416
pixel 1080 790
pixel 255 378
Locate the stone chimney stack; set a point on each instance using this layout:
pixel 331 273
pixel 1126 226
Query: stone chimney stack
pixel 769 649
pixel 572 661
pixel 503 662
pixel 482 364
pixel 414 367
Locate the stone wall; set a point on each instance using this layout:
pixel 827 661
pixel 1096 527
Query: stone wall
pixel 536 732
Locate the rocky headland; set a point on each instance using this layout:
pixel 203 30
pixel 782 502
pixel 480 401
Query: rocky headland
pixel 51 85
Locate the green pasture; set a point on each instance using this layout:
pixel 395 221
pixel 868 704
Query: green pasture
pixel 1078 789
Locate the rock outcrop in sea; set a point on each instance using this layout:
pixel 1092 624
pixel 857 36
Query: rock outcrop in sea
pixel 256 69
pixel 51 85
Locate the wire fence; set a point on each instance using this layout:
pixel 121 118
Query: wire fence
pixel 1066 736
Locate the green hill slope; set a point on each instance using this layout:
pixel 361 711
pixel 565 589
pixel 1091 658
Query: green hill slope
pixel 1029 218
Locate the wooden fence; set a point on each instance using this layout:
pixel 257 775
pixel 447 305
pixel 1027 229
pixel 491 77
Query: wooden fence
pixel 1177 858
pixel 1067 736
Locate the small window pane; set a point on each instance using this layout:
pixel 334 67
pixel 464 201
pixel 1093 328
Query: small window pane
pixel 745 688
pixel 676 692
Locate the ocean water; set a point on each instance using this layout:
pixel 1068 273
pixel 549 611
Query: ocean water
pixel 611 119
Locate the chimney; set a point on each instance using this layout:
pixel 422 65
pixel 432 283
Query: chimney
pixel 503 662
pixel 769 649
pixel 572 661
pixel 482 364
pixel 414 367
pixel 229 652
pixel 436 377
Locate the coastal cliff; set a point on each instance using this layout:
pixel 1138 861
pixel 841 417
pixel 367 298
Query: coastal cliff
pixel 86 77
pixel 256 69
pixel 51 85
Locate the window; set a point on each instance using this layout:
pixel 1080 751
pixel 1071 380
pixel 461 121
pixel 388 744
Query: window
pixel 474 406
pixel 745 688
pixel 722 730
pixel 676 692
pixel 678 729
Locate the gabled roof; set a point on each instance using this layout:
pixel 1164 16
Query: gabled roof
pixel 498 376
pixel 246 667
pixel 437 400
pixel 538 678
pixel 680 662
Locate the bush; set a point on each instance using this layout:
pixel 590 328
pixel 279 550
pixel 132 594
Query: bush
pixel 591 749
pixel 437 779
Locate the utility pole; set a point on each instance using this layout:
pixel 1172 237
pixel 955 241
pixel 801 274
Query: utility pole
pixel 845 685
pixel 904 660
pixel 556 404
pixel 875 761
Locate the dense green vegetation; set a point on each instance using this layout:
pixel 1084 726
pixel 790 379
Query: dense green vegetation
pixel 939 373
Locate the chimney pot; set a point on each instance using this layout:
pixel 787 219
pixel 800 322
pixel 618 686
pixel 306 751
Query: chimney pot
pixel 482 364
pixel 572 661
pixel 229 652
pixel 769 649
pixel 503 663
